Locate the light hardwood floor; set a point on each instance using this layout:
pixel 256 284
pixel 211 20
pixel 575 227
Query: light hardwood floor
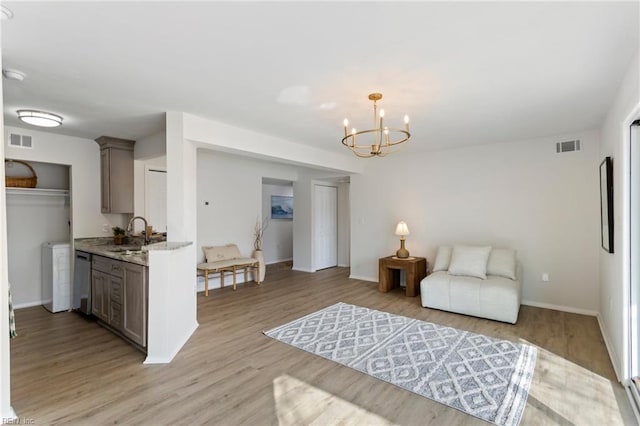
pixel 66 370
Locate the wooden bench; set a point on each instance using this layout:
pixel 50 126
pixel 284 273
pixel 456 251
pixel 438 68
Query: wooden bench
pixel 221 259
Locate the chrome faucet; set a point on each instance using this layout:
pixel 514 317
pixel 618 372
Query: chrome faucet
pixel 129 228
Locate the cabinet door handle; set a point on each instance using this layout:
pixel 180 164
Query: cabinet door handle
pixel 115 268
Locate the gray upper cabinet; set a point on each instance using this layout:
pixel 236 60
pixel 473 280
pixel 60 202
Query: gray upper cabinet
pixel 116 174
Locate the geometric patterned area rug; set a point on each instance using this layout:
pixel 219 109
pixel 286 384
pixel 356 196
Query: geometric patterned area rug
pixel 479 375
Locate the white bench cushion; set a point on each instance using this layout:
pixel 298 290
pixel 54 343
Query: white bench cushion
pixel 218 253
pixel 240 262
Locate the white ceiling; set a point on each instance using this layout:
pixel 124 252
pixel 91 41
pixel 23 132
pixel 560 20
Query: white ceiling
pixel 466 73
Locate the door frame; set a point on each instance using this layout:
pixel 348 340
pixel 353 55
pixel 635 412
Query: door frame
pixel 315 183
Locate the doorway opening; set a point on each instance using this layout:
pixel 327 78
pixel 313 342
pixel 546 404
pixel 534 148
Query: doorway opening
pixel 277 211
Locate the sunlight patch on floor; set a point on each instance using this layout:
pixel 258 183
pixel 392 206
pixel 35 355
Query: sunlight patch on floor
pixel 565 393
pixel 300 403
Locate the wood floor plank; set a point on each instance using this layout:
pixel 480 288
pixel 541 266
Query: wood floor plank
pixel 67 370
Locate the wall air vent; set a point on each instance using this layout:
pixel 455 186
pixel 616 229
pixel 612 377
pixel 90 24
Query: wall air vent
pixel 568 146
pixel 20 141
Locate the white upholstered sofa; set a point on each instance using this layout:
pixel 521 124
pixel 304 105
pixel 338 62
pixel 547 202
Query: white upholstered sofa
pixel 479 281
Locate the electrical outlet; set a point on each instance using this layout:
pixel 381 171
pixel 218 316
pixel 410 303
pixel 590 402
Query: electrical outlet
pixel 106 229
pixel 545 277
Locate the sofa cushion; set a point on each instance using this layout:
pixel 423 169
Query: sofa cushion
pixel 502 263
pixel 469 261
pixel 443 258
pixel 496 298
pixel 218 253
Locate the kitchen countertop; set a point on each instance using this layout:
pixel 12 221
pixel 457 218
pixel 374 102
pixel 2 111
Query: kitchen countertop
pixel 133 252
pixel 168 245
pixel 104 246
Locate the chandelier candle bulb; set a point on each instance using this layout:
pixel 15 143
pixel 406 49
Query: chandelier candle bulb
pixel 346 125
pixel 406 123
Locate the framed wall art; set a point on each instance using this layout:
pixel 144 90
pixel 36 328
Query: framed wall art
pixel 281 207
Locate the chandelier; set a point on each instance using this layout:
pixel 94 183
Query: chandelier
pixel 375 142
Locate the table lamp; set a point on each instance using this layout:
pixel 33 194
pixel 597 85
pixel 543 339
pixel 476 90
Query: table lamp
pixel 402 229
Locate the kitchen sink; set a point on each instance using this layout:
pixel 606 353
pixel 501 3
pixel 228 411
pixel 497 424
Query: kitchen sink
pixel 132 250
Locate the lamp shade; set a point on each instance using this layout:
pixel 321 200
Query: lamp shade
pixel 402 228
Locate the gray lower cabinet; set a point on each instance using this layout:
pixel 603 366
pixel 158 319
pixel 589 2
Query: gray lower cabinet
pixel 119 292
pixel 134 324
pixel 100 295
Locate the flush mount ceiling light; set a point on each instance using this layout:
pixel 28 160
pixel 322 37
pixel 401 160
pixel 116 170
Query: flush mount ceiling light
pixel 39 118
pixel 378 140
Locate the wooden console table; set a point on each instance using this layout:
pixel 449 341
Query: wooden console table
pixel 389 273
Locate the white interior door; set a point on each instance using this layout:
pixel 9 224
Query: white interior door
pixel 156 199
pixel 325 223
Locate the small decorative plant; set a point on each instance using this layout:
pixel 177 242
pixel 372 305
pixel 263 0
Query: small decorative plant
pixel 118 235
pixel 258 232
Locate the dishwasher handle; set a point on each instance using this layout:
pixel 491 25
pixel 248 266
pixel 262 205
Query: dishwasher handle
pixel 83 257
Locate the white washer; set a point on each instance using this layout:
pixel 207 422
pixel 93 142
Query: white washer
pixel 56 276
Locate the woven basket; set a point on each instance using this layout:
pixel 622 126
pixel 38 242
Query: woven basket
pixel 21 182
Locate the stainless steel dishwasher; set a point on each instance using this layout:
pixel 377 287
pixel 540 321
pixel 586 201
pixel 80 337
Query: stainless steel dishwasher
pixel 82 283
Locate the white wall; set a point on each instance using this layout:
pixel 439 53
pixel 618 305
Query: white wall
pixel 232 185
pixel 521 195
pixel 139 186
pixel 147 152
pixel 172 303
pixel 278 237
pixel 614 276
pixel 236 140
pixel 31 221
pixel 152 146
pixel 83 155
pixel 302 225
pixel 186 130
pixel 6 412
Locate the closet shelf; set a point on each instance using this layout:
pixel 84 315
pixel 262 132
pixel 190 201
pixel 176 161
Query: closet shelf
pixel 38 191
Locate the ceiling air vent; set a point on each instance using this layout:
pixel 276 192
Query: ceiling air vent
pixel 568 146
pixel 20 141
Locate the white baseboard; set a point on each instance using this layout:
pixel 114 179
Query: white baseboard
pixel 613 356
pixel 27 304
pixel 343 266
pixel 279 261
pixel 562 308
pixel 363 278
pixel 301 269
pixel 10 414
